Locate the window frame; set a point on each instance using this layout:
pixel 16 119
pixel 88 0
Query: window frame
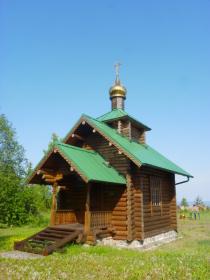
pixel 155 193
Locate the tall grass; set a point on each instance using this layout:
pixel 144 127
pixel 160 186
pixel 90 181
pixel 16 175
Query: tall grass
pixel 186 258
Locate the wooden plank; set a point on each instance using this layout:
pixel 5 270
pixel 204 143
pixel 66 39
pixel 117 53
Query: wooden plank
pixel 129 206
pixel 87 210
pixel 54 204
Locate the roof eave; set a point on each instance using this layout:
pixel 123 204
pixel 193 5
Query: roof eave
pixel 169 170
pixel 46 157
pixel 107 182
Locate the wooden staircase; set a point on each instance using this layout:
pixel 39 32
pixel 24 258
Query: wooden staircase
pixel 51 238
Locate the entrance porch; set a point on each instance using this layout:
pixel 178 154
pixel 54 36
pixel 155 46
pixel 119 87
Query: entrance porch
pixel 90 205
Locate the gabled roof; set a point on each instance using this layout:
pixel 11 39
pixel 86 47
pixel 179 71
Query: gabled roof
pixel 140 154
pixel 117 114
pixel 88 164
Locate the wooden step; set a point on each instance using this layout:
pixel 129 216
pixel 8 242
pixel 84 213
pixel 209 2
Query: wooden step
pixel 62 229
pixel 103 235
pixel 47 234
pixel 62 242
pixel 56 236
pixel 62 233
pixel 38 237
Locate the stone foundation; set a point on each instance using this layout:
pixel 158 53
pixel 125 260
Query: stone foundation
pixel 148 243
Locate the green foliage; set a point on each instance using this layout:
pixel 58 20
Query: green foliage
pixel 11 153
pixel 19 204
pixel 199 201
pixel 184 202
pixel 54 139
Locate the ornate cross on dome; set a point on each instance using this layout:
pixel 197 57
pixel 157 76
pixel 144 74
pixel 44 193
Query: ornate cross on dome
pixel 117 70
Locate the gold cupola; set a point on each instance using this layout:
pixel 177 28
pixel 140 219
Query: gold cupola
pixel 117 92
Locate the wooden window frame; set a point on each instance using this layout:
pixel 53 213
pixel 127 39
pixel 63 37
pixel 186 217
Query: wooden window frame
pixel 155 193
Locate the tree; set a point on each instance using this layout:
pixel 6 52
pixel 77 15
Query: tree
pixel 18 201
pixel 12 156
pixel 199 201
pixel 184 202
pixel 54 138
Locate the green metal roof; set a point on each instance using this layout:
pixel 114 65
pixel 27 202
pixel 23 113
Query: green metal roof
pixel 120 114
pixel 114 114
pixel 90 164
pixel 141 154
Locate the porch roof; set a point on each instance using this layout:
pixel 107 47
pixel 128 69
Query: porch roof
pixel 88 164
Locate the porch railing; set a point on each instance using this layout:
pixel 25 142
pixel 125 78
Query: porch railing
pixel 65 217
pixel 100 219
pixel 93 219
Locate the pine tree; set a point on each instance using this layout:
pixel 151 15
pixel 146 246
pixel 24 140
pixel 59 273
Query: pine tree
pixel 184 202
pixel 199 201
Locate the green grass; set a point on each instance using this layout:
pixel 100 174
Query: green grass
pixel 186 258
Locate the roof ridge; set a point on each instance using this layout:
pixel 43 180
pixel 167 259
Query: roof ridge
pixel 76 148
pixel 116 109
pixel 106 113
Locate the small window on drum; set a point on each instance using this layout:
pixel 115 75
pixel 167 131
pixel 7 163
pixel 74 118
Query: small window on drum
pixel 155 190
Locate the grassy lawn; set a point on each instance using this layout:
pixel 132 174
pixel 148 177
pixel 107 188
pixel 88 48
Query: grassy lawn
pixel 186 258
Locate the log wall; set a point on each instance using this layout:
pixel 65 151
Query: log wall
pixel 138 135
pixel 109 153
pixel 105 197
pixel 156 219
pixel 127 129
pixel 137 196
pixel 73 197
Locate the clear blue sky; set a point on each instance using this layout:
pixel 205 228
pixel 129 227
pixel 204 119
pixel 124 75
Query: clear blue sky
pixel 56 62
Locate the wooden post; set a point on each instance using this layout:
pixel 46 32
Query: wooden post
pixel 54 204
pixel 129 207
pixel 142 207
pixel 87 210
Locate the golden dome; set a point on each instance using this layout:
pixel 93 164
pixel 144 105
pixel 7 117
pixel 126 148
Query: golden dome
pixel 117 90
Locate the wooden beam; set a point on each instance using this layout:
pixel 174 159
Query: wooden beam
pixel 129 207
pixel 77 136
pixel 54 204
pixel 50 181
pixel 46 176
pixel 142 207
pixel 87 210
pixel 52 177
